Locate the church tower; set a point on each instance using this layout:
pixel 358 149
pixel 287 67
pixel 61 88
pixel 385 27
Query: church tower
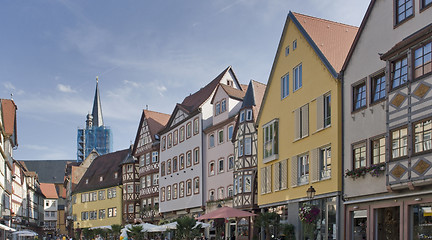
pixel 95 135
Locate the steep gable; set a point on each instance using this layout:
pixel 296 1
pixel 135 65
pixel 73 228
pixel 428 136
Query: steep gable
pixel 8 110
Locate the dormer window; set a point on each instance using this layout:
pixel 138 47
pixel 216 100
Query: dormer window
pixel 100 179
pixel 249 115
pixel 86 181
pixel 217 109
pixel 230 83
pixel 223 105
pixel 242 115
pixel 115 175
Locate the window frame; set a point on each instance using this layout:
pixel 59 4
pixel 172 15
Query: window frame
pixel 181 189
pixel 195 126
pixel 223 105
pixel 229 138
pixel 303 170
pixel 285 86
pixel 247 148
pixel 242 116
pixel 423 133
pixel 380 154
pixel 182 164
pixel 182 134
pixel 188 130
pixel 188 183
pixel 210 144
pixel 297 77
pixel 354 147
pixel 228 162
pixel 392 72
pixel 396 21
pixel 424 6
pixel 400 139
pixel 210 172
pixel 327 110
pixel 196 190
pixel 294 44
pixel 324 171
pixel 249 114
pixel 220 139
pixel 196 156
pixel 219 165
pixel 355 93
pixel 188 159
pixel 175 137
pixel 274 140
pixel 287 49
pixel 422 46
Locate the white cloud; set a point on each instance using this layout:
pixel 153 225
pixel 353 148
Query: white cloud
pixel 11 89
pixel 65 88
pixel 132 83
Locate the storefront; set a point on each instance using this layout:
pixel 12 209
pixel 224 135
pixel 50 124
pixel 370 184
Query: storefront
pixel 324 225
pixel 408 217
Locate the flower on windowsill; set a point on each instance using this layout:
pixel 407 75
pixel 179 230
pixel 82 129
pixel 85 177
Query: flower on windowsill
pixel 375 170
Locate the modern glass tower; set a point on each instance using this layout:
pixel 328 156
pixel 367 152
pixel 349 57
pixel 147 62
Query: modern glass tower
pixel 95 136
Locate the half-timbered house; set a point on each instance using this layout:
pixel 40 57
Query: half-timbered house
pixel 130 178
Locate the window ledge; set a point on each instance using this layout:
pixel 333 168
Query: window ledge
pixel 271 158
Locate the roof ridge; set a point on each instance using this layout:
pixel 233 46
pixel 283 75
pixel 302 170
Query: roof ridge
pixel 258 82
pixel 324 20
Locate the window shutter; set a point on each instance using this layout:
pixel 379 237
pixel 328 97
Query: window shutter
pixel 314 165
pixel 276 176
pixel 263 178
pixel 297 129
pixel 284 174
pixel 294 171
pixel 305 120
pixel 268 179
pixel 320 112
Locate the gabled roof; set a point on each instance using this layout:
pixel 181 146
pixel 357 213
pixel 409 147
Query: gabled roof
pixel 192 102
pixel 49 171
pixel 8 110
pixel 233 93
pixel 49 190
pixel 156 121
pixel 105 166
pixel 330 40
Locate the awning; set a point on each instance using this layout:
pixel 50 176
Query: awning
pixel 226 212
pixel 25 233
pixel 4 227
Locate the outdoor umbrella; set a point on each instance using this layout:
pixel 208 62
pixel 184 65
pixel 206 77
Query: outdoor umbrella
pixel 4 227
pixel 25 233
pixel 226 212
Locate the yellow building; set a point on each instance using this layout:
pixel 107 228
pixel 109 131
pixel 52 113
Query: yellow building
pixel 299 124
pixel 97 199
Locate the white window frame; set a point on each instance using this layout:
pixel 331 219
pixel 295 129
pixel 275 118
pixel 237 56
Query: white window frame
pixel 324 165
pixel 303 169
pixel 273 140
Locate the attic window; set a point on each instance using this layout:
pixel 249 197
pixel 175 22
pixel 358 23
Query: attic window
pixel 86 181
pixel 287 51
pixel 115 175
pixel 100 179
pixel 294 44
pixel 229 83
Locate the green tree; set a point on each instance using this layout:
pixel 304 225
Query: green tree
pixel 185 228
pixel 270 221
pixel 88 234
pixel 289 231
pixel 116 230
pixel 135 232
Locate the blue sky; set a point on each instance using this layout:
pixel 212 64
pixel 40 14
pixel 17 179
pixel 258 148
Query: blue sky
pixel 145 53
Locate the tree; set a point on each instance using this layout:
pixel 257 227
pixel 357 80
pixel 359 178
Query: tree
pixel 185 228
pixel 269 221
pixel 135 232
pixel 88 234
pixel 288 231
pixel 116 230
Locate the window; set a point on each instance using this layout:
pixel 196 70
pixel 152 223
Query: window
pixel 303 169
pixel 223 105
pixel 327 110
pixel 162 191
pixel 84 215
pixel 404 9
pixel 211 168
pixel 188 130
pixel 196 185
pixel 247 183
pixel 130 208
pixel 399 73
pixel 230 131
pixel 168 193
pixel 378 87
pixel 399 142
pixel 101 195
pixel 422 138
pixel 155 179
pixel 249 115
pixel 285 86
pixel 163 169
pixel 163 143
pixel 112 212
pixel 242 116
pixel 181 189
pixel 359 96
pixel 425 3
pixel 221 193
pixel 217 109
pixel 141 160
pixel 169 140
pixel 155 157
pixel 175 191
pixel 196 126
pixel 294 44
pixel 221 164
pixel 148 180
pixel 359 155
pixel 196 156
pixel 181 161
pixel 301 124
pixel 422 60
pixel 378 150
pixel 230 163
pixel 102 213
pixel 129 168
pixel 325 162
pixel 420 223
pixel 287 50
pixel 182 134
pixel 248 146
pixel 169 166
pixel 280 176
pixel 240 147
pixel 175 137
pixel 130 188
pixel 175 164
pixel 211 195
pixel 189 187
pixel 188 159
pixel 265 180
pixel 230 191
pixel 220 136
pixel 211 141
pixel 297 81
pixel 270 139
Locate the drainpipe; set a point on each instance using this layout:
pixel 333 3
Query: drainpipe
pixel 340 203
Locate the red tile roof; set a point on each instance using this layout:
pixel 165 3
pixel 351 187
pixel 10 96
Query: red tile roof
pixel 9 115
pixel 332 38
pixel 156 121
pixel 49 190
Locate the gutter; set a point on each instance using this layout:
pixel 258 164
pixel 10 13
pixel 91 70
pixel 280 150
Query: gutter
pixel 341 204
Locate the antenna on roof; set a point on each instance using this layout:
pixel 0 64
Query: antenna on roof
pixel 11 96
pixel 97 79
pixel 146 107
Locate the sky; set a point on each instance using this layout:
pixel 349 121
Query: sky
pixel 146 53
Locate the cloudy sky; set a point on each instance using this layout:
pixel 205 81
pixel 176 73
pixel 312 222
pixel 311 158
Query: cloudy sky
pixel 145 53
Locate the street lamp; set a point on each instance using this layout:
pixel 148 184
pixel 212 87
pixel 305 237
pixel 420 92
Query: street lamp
pixel 310 193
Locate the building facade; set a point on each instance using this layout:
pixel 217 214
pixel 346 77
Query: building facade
pixel 131 185
pixel 50 207
pixel 146 150
pixel 95 136
pixel 387 123
pixel 299 128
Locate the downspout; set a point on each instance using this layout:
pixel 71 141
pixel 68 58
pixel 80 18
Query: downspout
pixel 341 205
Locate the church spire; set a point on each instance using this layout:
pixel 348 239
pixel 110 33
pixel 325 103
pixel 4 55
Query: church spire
pixel 97 108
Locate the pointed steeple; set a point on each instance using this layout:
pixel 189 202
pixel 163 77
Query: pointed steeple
pixel 97 108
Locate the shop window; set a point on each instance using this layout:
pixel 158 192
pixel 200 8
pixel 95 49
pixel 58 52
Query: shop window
pixel 359 223
pixel 387 223
pixel 421 221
